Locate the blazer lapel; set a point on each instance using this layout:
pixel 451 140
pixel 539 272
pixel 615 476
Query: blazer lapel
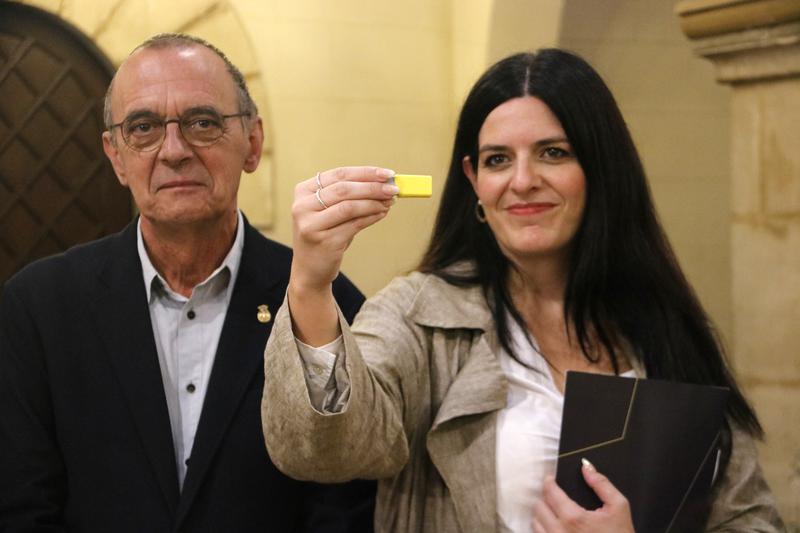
pixel 122 320
pixel 463 431
pixel 240 355
pixel 463 434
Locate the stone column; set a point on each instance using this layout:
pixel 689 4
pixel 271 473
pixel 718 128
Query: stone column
pixel 755 48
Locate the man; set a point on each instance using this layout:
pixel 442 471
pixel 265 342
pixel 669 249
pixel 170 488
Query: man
pixel 131 367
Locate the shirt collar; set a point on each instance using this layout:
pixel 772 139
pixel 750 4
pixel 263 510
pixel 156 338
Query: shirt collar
pixel 231 262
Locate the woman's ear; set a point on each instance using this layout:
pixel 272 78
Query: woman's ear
pixel 469 171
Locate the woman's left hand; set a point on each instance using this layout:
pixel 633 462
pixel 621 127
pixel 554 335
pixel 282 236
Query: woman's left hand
pixel 558 513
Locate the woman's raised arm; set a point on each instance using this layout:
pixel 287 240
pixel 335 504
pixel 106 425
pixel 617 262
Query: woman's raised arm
pixel 328 210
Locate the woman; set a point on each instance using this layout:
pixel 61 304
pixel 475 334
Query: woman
pixel 546 256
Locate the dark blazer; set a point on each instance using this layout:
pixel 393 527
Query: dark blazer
pixel 85 440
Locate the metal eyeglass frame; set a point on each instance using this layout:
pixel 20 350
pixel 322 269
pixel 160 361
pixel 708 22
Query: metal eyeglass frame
pixel 179 122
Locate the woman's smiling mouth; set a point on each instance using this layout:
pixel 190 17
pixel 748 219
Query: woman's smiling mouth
pixel 529 208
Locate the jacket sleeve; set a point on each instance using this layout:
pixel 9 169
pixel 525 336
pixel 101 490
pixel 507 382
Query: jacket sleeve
pixel 367 438
pixel 32 478
pixel 743 502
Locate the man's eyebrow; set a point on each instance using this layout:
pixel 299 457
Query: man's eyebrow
pixel 140 113
pixel 540 142
pixel 148 113
pixel 200 110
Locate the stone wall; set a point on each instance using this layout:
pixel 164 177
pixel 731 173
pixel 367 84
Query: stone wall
pixel 755 48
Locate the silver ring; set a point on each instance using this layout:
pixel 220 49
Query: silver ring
pixel 319 183
pixel 323 204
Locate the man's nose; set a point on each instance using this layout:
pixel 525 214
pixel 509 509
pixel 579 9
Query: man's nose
pixel 174 148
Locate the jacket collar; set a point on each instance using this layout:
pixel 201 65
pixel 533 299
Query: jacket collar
pixel 122 320
pixel 440 304
pixel 462 439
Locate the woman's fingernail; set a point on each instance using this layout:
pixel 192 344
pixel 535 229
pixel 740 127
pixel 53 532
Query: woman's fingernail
pixel 587 464
pixel 390 189
pixel 385 173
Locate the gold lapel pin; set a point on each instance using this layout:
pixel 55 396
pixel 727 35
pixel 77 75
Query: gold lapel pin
pixel 263 315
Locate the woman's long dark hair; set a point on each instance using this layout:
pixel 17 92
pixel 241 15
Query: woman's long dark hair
pixel 624 280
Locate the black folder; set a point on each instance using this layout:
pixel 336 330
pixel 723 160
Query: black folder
pixel 657 441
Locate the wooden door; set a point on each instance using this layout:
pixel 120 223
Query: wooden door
pixel 57 188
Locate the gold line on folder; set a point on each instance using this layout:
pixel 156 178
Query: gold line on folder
pixel 689 488
pixel 630 408
pixel 624 427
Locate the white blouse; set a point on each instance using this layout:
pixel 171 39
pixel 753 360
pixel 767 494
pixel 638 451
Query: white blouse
pixel 528 433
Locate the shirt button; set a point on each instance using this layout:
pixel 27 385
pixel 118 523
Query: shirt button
pixel 317 369
pixel 190 387
pixel 191 314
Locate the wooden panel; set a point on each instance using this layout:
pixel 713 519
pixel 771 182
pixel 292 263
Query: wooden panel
pixel 56 187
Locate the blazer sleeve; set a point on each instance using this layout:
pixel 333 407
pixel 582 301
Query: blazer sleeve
pixel 340 507
pixel 367 438
pixel 743 502
pixel 32 474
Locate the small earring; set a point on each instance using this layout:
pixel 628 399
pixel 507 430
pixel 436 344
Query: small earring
pixel 480 214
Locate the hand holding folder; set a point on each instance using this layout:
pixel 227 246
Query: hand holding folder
pixel 656 441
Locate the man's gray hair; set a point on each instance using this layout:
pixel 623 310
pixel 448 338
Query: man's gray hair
pixel 182 40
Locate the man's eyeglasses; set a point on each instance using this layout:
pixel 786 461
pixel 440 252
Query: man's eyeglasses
pixel 145 131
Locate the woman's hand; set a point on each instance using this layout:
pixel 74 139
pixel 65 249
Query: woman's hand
pixel 328 210
pixel 327 218
pixel 558 513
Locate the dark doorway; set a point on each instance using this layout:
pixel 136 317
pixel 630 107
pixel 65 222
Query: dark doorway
pixel 57 188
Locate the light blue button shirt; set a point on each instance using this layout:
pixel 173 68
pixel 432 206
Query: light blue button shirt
pixel 187 331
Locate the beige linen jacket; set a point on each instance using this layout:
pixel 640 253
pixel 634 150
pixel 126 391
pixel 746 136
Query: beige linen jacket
pixel 424 389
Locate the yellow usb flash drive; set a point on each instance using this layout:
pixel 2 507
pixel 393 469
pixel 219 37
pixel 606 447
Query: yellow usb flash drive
pixel 413 186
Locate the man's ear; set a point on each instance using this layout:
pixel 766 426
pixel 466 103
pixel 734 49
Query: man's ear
pixel 112 153
pixel 466 166
pixel 255 142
